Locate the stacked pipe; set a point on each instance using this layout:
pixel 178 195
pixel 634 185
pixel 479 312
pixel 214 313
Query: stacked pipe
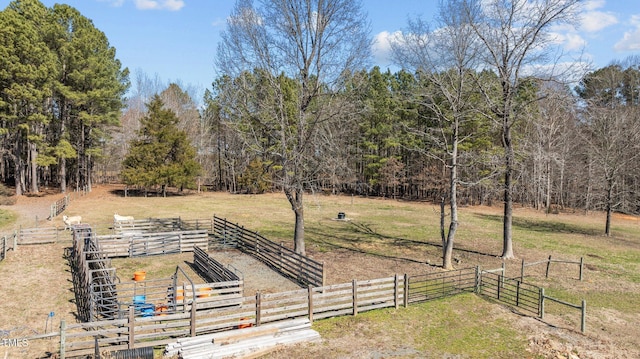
pixel 244 343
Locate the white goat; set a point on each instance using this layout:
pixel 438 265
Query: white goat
pixel 119 218
pixel 69 221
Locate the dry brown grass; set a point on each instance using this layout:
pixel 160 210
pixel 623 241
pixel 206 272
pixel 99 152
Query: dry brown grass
pixel 384 237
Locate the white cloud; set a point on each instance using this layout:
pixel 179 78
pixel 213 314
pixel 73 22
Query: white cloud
pixel 592 21
pixel 381 47
pixel 593 4
pixel 114 3
pixel 171 5
pixel 219 22
pixel 631 39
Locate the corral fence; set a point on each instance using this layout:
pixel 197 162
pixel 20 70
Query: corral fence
pixel 527 297
pixel 58 207
pixel 4 247
pixel 548 262
pixel 301 269
pixel 136 244
pixel 211 269
pixel 42 235
pixel 441 284
pixel 215 313
pixel 101 294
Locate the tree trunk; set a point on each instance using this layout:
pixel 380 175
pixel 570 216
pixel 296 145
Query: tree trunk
pixel 507 245
pixel 295 199
pixel 447 247
pixel 33 167
pixel 609 207
pixel 63 175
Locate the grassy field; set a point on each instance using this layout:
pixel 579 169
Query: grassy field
pixel 383 237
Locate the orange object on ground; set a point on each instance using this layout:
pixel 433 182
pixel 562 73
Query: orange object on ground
pixel 139 276
pixel 244 325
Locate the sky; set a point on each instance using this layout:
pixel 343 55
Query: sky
pixel 176 40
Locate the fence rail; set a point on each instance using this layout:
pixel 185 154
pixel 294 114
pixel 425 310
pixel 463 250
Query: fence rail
pixel 41 235
pixel 58 207
pixel 582 307
pixel 147 244
pixel 548 262
pixel 209 314
pixel 212 270
pixel 3 248
pixel 221 307
pixel 439 285
pixel 510 291
pixel 301 269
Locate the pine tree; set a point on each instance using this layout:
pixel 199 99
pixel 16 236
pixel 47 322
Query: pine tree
pixel 162 155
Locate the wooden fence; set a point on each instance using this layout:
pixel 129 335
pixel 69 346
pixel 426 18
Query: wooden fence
pixel 3 248
pixel 58 207
pixel 147 225
pixel 211 269
pixel 209 315
pixel 441 284
pixel 42 235
pixel 214 313
pixel 301 269
pixel 510 291
pixel 548 262
pixel 148 244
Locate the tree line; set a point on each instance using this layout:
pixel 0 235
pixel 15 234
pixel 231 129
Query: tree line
pixel 61 87
pixel 466 121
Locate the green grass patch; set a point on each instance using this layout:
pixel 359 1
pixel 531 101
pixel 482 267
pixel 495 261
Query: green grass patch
pixel 7 218
pixel 463 325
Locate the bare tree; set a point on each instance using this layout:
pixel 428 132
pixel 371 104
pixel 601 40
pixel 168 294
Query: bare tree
pixel 444 58
pixel 312 42
pixel 516 39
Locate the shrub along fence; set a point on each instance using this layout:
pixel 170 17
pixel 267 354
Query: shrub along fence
pixel 301 269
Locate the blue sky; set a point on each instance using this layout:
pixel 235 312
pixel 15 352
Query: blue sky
pixel 177 39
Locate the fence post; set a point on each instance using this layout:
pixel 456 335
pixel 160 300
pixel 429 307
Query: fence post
pixel 499 284
pixel 517 293
pixel 522 271
pixel 581 267
pixel 132 326
pixel 406 291
pixel 280 256
pixel 324 275
pixel 63 327
pixel 258 307
pixel 396 286
pixel 548 265
pixel 354 287
pixel 15 239
pixel 192 323
pixel 542 303
pixel 4 247
pixel 583 321
pixel 310 299
pixel 478 280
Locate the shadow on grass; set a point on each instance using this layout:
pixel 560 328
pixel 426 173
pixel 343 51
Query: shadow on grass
pixel 543 226
pixel 364 230
pixel 150 193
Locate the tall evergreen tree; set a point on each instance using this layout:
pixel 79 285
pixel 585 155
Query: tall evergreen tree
pixel 162 156
pixel 26 68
